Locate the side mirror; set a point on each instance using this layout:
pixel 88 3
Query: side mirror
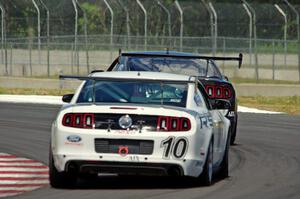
pixel 67 98
pixel 225 77
pixel 221 104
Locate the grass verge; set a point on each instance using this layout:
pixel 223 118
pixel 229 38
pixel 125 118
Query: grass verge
pixel 290 105
pixel 33 91
pixel 261 81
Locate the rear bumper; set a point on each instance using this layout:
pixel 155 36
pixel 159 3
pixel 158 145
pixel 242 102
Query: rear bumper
pixel 124 168
pixel 82 154
pixel 129 165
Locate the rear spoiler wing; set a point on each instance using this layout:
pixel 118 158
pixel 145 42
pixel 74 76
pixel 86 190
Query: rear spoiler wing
pixel 216 58
pixel 192 79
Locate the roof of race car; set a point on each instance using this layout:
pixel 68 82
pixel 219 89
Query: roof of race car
pixel 147 75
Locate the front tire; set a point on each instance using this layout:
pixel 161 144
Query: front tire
pixel 206 176
pixel 60 179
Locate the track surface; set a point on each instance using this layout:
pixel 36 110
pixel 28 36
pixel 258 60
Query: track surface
pixel 265 163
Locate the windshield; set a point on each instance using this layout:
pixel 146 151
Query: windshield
pixel 186 66
pixel 133 92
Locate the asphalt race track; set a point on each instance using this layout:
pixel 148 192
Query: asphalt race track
pixel 265 163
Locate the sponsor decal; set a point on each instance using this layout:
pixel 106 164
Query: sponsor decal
pixel 73 140
pixel 134 158
pixel 198 100
pixel 206 121
pixel 231 114
pixel 126 132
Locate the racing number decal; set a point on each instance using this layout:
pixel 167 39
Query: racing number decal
pixel 167 144
pixel 175 147
pixel 180 148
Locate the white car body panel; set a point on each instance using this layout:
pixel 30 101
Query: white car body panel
pixel 205 124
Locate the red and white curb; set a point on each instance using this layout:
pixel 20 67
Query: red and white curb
pixel 19 175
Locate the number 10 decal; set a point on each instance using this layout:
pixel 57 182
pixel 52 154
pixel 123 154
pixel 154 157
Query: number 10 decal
pixel 176 148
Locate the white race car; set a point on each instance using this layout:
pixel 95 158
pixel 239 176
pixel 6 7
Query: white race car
pixel 139 123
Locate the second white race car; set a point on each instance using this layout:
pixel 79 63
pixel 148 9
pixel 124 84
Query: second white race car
pixel 139 123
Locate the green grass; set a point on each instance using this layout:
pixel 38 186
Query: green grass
pixel 292 48
pixel 277 66
pixel 34 91
pixel 237 80
pixel 290 105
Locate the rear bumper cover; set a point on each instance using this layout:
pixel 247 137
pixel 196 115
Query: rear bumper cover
pixel 124 168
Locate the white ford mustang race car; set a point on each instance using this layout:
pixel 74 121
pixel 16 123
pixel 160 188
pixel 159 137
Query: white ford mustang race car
pixel 139 123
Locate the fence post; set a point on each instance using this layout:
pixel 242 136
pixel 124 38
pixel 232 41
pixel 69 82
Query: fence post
pixel 224 49
pixel 145 23
pixel 30 56
pixel 2 31
pixel 72 58
pixel 181 22
pixel 111 26
pixel 215 16
pixel 11 59
pixel 250 31
pixel 3 37
pixel 169 19
pixel 75 35
pixel 127 22
pixel 211 17
pixel 273 59
pixel 86 43
pixel 299 57
pixel 39 29
pixel 285 31
pixel 48 37
pixel 255 39
pixel 85 37
pixel 5 54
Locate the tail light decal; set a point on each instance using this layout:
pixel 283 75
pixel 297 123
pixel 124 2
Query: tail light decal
pixel 67 120
pixel 219 92
pixel 88 120
pixel 227 93
pixel 79 120
pixel 185 124
pixel 210 91
pixel 166 123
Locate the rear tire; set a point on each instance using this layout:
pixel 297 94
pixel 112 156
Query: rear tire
pixel 233 133
pixel 206 176
pixel 60 179
pixel 224 167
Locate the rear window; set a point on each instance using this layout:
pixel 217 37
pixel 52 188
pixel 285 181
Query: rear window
pixel 185 66
pixel 133 92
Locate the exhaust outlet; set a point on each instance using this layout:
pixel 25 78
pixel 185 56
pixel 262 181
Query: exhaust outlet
pixel 72 168
pixel 174 171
